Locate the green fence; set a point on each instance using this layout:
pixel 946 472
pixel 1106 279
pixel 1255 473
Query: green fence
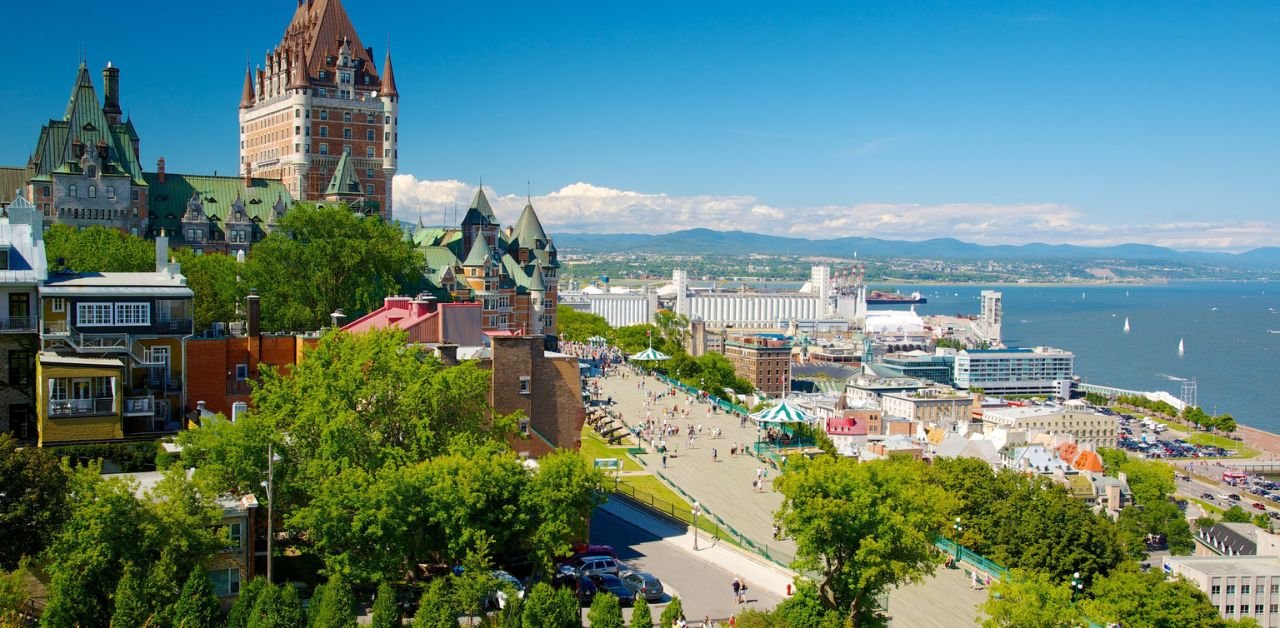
pixel 708 521
pixel 965 555
pixel 726 405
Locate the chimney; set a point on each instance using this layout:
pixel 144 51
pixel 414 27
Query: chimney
pixel 160 170
pixel 448 354
pixel 162 252
pixel 248 175
pixel 255 313
pixel 111 93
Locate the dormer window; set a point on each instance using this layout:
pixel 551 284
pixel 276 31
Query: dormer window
pixel 91 172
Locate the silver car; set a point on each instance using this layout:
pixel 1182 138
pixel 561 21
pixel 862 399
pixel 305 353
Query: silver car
pixel 643 584
pixel 595 565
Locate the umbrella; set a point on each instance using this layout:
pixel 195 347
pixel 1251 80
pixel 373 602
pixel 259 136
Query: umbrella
pixel 781 413
pixel 597 341
pixel 650 355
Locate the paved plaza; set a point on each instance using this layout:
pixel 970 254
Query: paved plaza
pixel 723 486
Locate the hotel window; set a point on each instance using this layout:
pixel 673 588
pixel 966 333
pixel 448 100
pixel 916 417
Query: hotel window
pixel 111 192
pixel 73 191
pixel 388 120
pixel 368 173
pixel 346 116
pixel 91 314
pixel 368 135
pixel 92 191
pixel 324 149
pixel 324 114
pixel 346 134
pixel 133 313
pixel 324 131
pixel 372 119
pixel 368 152
pixel 386 137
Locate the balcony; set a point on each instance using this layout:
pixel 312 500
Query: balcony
pixel 157 423
pixel 140 406
pixel 56 328
pixel 18 324
pixel 101 406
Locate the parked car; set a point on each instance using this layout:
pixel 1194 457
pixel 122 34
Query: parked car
pixel 507 585
pixel 592 565
pixel 567 577
pixel 644 584
pixel 1208 496
pixel 1258 506
pixel 1233 497
pixel 614 585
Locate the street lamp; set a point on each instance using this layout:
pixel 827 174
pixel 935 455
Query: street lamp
pixel 271 503
pixel 697 510
pixel 1077 585
pixel 958 528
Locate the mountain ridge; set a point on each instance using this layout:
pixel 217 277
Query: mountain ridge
pixel 702 240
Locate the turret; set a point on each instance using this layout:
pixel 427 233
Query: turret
pixel 246 96
pixel 111 93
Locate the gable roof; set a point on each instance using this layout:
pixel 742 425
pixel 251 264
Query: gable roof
pixel 84 122
pixel 316 31
pixel 167 201
pixel 344 181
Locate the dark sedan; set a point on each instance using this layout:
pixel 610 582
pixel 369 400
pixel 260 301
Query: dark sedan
pixel 643 584
pixel 614 585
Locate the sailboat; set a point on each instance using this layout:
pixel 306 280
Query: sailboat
pixel 1126 324
pixel 1182 348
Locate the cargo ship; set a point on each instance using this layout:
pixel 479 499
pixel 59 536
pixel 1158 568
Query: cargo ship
pixel 879 297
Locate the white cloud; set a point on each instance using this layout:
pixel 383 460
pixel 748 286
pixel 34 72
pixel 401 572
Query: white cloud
pixel 585 207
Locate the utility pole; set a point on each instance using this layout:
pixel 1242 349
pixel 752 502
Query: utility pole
pixel 271 503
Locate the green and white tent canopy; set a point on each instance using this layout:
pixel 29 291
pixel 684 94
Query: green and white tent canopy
pixel 650 355
pixel 597 341
pixel 782 413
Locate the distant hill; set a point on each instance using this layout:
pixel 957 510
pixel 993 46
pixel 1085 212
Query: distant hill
pixel 702 241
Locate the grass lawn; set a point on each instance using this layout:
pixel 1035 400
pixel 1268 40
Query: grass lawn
pixel 594 447
pixel 1215 440
pixel 1207 506
pixel 648 489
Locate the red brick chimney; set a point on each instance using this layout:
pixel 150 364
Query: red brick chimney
pixel 160 170
pixel 248 175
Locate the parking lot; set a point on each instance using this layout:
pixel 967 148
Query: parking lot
pixel 1143 437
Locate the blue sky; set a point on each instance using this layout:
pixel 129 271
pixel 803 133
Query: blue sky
pixel 992 122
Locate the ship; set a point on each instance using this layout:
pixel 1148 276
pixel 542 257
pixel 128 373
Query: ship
pixel 880 297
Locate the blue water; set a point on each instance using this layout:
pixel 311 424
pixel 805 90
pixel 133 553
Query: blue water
pixel 1229 352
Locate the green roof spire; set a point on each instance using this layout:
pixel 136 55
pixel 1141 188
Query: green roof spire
pixel 528 230
pixel 535 281
pixel 479 254
pixel 344 182
pixel 481 204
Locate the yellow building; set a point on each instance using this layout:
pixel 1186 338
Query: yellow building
pixel 113 350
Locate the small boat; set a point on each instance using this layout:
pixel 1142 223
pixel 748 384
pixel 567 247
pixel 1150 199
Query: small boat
pixel 1213 309
pixel 1126 324
pixel 1082 295
pixel 1273 331
pixel 1182 347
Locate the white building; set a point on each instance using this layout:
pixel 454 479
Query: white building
pixel 1022 371
pixel 1239 586
pixel 1086 426
pixel 990 320
pixel 929 405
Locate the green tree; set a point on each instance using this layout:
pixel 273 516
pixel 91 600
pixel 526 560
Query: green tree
pixel 386 613
pixel 579 326
pixel 131 608
pixel 33 500
pixel 605 611
pixel 641 616
pixel 1236 514
pixel 1225 423
pixel 97 249
pixel 563 493
pixel 335 607
pixel 805 608
pixel 242 608
pixel 320 259
pixel 277 607
pixel 14 594
pixel 672 613
pixel 437 608
pixel 1146 600
pixel 215 280
pixel 197 606
pixel 545 607
pixel 840 512
pixel 673 327
pixel 1030 599
pixel 163 586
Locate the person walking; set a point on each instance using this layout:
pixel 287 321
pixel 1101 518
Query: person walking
pixel 713 455
pixel 737 590
pixel 664 460
pixel 742 590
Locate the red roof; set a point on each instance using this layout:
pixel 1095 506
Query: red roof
pixel 846 427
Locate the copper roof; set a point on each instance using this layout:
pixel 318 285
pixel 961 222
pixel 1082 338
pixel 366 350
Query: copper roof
pixel 317 32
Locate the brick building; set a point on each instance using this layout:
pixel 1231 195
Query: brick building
pixel 317 98
pixel 220 370
pixel 545 386
pixel 762 359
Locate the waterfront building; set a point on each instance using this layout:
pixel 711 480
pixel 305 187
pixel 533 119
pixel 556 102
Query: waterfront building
pixel 512 273
pixel 930 405
pixel 22 253
pixel 112 364
pixel 319 114
pixel 1016 371
pixel 762 359
pixel 991 319
pixel 85 169
pixel 1087 427
pixel 937 367
pixel 870 383
pixel 1238 586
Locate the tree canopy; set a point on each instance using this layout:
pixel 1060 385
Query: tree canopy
pixel 97 249
pixel 862 527
pixel 216 281
pixel 320 259
pixel 33 499
pixel 579 326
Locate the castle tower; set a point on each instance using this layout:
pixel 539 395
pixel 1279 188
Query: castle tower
pixel 318 96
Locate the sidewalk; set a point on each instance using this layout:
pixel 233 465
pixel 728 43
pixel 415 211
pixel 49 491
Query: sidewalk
pixel 758 572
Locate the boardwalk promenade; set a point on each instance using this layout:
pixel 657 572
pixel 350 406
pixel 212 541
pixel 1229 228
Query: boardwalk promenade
pixel 723 486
